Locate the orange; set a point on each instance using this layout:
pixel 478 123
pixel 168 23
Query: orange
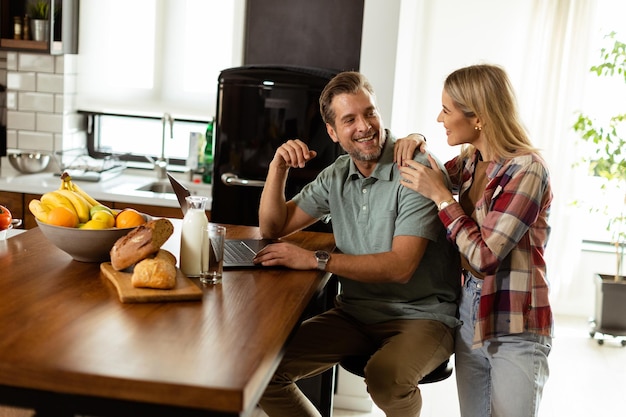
pixel 129 218
pixel 62 216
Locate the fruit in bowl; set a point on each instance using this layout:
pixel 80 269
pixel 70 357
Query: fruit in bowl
pixel 79 225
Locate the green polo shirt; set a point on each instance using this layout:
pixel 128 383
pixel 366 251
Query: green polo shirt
pixel 367 213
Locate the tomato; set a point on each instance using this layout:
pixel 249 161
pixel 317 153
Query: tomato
pixel 5 218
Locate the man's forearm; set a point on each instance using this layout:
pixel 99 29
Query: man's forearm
pixel 273 208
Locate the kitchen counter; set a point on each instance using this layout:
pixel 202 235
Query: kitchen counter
pixel 123 188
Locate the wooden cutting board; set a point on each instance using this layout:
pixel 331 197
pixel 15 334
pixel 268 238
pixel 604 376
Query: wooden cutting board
pixel 185 289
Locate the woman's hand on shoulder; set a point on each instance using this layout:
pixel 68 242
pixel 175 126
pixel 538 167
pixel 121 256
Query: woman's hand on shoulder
pixel 404 148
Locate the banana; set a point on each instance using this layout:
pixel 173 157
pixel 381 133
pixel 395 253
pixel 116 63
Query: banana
pixel 81 206
pixel 84 194
pixel 68 184
pixel 39 210
pixel 55 199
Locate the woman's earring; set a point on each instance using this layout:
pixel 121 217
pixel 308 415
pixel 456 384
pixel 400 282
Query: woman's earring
pixel 478 128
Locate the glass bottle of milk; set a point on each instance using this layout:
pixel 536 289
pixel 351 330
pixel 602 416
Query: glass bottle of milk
pixel 194 222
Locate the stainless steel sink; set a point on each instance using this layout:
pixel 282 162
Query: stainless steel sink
pixel 157 187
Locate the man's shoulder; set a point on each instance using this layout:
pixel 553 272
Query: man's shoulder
pixel 341 164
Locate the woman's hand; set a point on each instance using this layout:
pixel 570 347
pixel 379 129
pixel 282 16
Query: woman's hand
pixel 428 181
pixel 404 148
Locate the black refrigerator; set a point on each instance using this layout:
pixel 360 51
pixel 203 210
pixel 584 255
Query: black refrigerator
pixel 260 107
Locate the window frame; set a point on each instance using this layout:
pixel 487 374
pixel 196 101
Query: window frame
pixel 93 122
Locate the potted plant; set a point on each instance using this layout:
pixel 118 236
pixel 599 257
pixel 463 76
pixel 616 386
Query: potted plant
pixel 607 159
pixel 39 13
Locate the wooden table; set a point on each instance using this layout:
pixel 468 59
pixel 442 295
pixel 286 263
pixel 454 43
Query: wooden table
pixel 69 345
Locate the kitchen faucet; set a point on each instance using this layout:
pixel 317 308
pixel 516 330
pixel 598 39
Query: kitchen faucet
pixel 160 165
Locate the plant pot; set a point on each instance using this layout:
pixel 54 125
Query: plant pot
pixel 40 29
pixel 610 309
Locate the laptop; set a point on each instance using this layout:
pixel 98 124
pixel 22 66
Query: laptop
pixel 238 253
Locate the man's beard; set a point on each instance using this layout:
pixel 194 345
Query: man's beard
pixel 357 155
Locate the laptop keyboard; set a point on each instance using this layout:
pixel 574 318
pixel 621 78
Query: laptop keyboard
pixel 236 253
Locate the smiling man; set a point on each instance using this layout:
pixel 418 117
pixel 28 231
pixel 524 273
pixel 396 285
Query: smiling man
pixel 400 277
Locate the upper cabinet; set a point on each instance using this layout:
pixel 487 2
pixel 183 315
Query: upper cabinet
pixel 58 34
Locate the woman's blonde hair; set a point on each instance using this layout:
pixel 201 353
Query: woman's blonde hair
pixel 484 91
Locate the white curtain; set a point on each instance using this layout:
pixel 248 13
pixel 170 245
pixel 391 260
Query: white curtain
pixel 556 66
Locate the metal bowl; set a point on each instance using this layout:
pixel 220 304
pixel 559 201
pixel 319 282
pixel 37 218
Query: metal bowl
pixel 30 162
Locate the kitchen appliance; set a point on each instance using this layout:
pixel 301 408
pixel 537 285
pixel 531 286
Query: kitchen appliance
pixel 259 108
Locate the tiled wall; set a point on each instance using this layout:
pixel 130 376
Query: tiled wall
pixel 3 82
pixel 40 101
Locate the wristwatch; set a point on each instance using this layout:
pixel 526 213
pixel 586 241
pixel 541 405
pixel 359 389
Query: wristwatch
pixel 322 259
pixel 446 203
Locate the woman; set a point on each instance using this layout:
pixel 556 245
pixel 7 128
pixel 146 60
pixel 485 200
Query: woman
pixel 499 225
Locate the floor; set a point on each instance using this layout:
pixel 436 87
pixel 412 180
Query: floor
pixel 587 379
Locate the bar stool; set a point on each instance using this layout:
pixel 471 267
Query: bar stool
pixel 356 365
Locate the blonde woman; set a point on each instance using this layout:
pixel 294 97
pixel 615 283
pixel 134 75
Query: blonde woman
pixel 499 223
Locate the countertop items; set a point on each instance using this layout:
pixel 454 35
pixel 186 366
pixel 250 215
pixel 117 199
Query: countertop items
pixel 132 186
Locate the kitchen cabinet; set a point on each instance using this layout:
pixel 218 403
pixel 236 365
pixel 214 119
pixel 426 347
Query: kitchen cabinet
pixel 63 32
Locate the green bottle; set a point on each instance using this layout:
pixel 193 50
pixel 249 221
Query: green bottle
pixel 207 175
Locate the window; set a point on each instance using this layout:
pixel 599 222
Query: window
pixel 603 99
pixel 141 59
pixel 138 138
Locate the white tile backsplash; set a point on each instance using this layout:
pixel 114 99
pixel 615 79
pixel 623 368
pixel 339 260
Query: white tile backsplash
pixel 12 100
pixel 39 102
pixel 11 138
pixel 39 141
pixel 50 83
pixel 12 61
pixel 36 62
pixel 49 122
pixel 20 120
pixel 22 81
pixel 73 122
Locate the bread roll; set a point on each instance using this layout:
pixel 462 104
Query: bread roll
pixel 154 272
pixel 166 256
pixel 140 243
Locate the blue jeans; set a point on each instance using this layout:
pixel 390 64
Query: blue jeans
pixel 503 378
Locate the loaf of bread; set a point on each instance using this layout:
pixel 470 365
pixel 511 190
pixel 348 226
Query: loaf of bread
pixel 140 243
pixel 166 255
pixel 158 272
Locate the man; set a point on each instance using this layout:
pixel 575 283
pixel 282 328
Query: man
pixel 399 275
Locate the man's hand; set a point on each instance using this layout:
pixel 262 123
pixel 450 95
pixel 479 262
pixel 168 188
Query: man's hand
pixel 293 154
pixel 404 148
pixel 286 254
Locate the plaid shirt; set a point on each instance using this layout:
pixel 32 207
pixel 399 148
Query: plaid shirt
pixel 506 243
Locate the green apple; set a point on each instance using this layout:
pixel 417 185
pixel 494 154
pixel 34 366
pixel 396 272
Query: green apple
pixel 99 207
pixel 104 216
